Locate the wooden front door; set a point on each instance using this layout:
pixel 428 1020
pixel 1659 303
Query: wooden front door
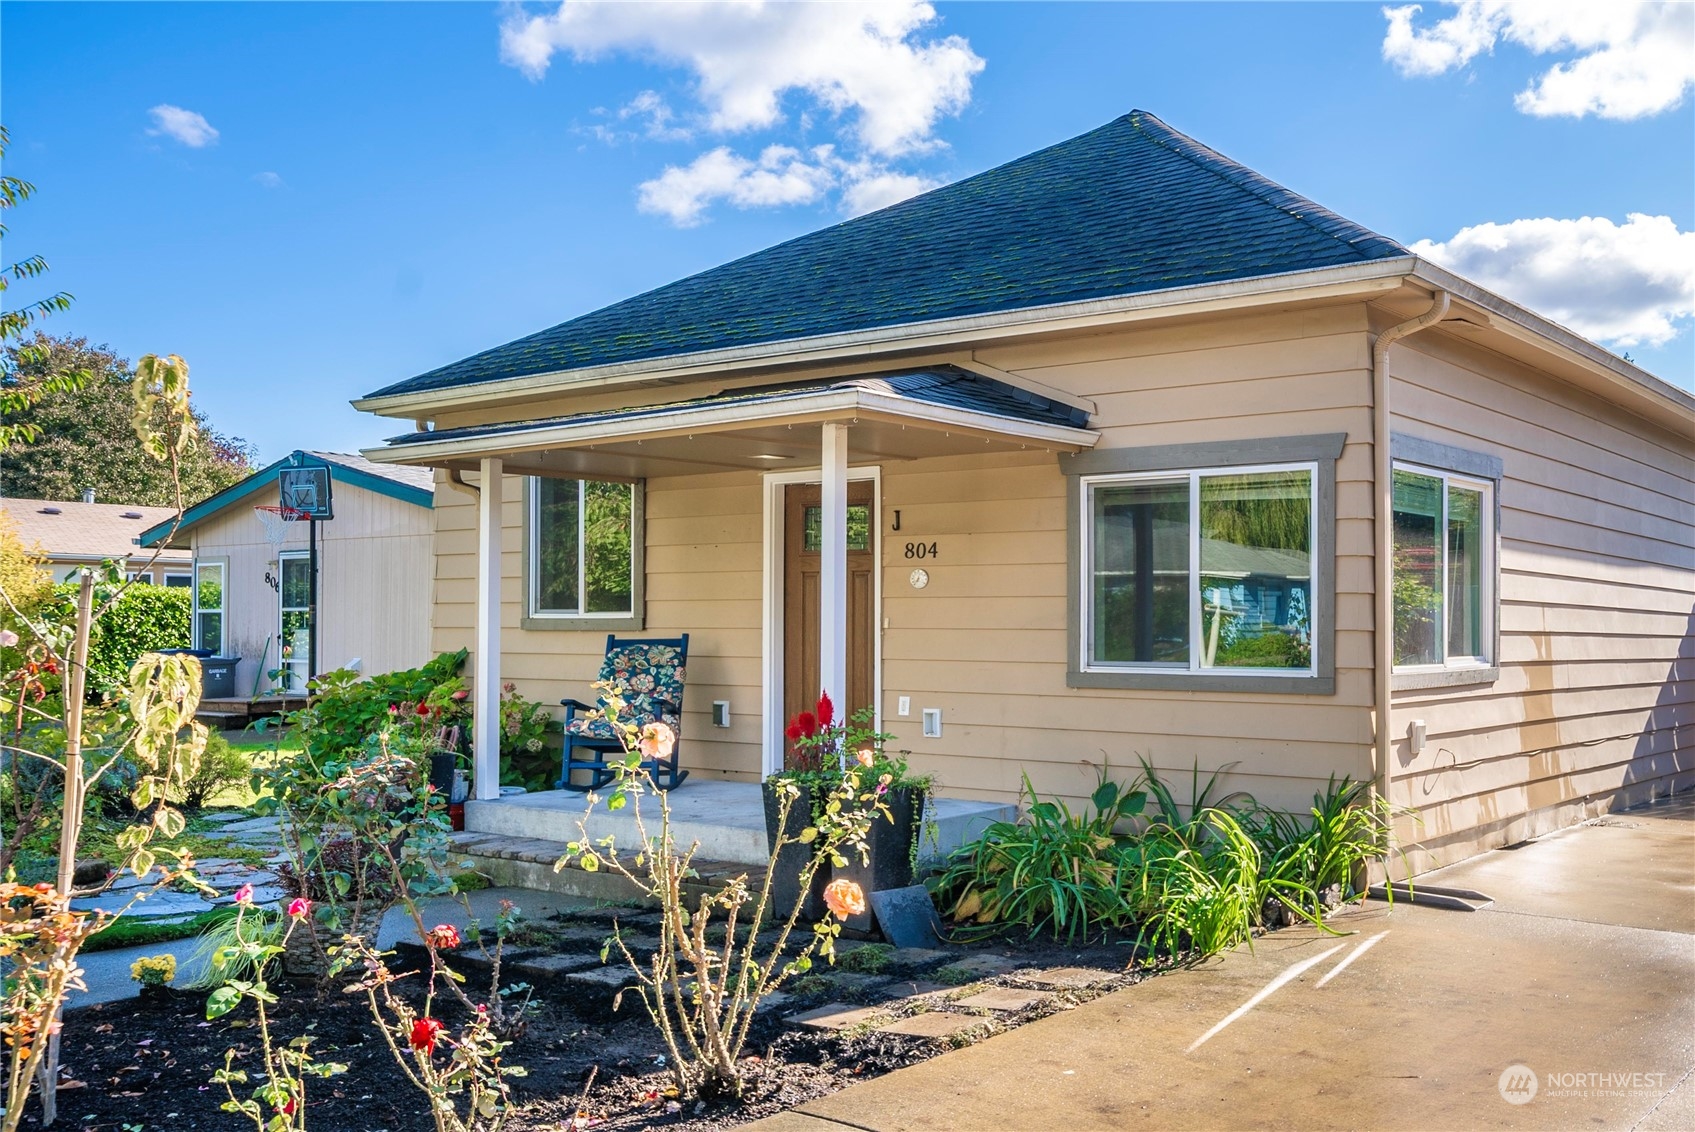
pixel 802 549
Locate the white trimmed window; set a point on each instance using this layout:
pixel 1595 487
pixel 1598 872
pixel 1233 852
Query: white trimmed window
pixel 583 562
pixel 1444 563
pixel 1210 571
pixel 209 606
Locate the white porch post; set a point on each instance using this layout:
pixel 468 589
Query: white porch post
pixel 832 578
pixel 485 722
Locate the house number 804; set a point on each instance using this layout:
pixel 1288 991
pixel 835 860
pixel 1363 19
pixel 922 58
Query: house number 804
pixel 921 550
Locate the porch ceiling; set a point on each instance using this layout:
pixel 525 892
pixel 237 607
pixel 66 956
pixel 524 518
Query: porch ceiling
pixel 937 412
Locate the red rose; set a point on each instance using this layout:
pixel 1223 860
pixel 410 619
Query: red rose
pixel 425 1031
pixel 445 936
pixel 423 708
pixel 826 710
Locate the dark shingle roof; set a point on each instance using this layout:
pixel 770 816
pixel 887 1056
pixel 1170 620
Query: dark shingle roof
pixel 936 385
pixel 1132 206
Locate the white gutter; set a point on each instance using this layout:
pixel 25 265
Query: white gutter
pixel 1530 327
pixel 1293 286
pixel 837 404
pixel 1383 530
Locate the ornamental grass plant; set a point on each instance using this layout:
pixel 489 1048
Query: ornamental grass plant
pixel 1195 877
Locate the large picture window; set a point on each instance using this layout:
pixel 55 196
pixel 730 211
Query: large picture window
pixel 1207 571
pixel 584 560
pixel 1444 569
pixel 209 606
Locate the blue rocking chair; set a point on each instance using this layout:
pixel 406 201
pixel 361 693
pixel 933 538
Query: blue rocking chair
pixel 650 674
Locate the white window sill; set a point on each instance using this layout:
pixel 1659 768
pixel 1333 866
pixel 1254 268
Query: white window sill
pixel 1189 680
pixel 604 622
pixel 1412 679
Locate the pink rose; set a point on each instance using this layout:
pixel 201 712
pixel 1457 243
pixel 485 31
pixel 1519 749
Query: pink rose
pixel 299 907
pixel 244 895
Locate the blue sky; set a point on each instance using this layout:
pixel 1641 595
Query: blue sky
pixel 393 186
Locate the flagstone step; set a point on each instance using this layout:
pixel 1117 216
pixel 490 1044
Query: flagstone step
pixel 528 862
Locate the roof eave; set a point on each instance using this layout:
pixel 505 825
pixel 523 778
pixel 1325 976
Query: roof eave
pixel 844 404
pixel 1369 277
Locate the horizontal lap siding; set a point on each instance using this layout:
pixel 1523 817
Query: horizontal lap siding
pixel 1596 702
pixel 986 640
pixel 703 578
pixel 375 567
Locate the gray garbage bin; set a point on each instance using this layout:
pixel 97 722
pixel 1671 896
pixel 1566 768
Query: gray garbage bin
pixel 218 677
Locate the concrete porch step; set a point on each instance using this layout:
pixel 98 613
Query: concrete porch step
pixel 726 820
pixel 527 862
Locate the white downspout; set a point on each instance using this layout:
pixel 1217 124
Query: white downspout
pixel 1383 528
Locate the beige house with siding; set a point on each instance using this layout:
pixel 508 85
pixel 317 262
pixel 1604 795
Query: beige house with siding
pixel 252 572
pixel 1116 451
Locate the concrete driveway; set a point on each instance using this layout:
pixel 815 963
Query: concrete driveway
pixel 1582 973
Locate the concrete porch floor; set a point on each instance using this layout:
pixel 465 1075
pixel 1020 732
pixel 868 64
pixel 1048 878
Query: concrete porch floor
pixel 726 818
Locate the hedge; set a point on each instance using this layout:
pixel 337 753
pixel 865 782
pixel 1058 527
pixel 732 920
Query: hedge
pixel 145 619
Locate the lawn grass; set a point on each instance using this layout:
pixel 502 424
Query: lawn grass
pixel 134 931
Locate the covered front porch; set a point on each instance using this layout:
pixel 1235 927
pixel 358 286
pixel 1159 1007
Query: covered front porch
pixel 817 624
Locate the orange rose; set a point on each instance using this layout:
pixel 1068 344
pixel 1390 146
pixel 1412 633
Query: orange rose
pixel 844 898
pixel 657 741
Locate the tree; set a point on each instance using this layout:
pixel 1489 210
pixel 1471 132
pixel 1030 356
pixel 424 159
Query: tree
pixel 23 579
pixel 85 434
pixel 18 392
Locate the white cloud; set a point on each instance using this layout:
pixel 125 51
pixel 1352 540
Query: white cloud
pixel 185 126
pixel 655 116
pixel 781 175
pixel 864 60
pixel 1630 60
pixel 1627 285
pixel 269 180
pixel 880 189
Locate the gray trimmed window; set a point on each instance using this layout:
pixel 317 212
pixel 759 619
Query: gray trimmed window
pixel 1446 564
pixel 1204 566
pixel 583 554
pixel 209 590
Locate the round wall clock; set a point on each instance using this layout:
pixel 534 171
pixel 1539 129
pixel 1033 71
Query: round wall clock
pixel 919 578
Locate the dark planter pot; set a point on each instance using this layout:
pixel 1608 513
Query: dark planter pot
pixel 442 765
pixel 785 882
pixel 889 844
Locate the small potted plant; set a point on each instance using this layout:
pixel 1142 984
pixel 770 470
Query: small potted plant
pixel 155 974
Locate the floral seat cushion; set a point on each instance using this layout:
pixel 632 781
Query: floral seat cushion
pixel 651 679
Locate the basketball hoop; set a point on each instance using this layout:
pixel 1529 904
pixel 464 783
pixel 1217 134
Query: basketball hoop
pixel 277 522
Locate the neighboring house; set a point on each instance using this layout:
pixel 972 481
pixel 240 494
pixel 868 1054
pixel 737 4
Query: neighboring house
pixel 1103 454
pixel 74 535
pixel 253 593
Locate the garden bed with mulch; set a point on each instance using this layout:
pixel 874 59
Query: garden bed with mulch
pixel 147 1064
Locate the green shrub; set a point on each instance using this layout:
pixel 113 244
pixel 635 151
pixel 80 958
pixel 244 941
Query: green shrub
pixel 146 618
pixel 221 768
pixel 1303 860
pixel 526 757
pixel 346 710
pixel 1051 870
pixel 1194 877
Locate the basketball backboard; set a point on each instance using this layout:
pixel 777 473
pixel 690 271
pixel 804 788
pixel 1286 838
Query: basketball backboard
pixel 306 489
